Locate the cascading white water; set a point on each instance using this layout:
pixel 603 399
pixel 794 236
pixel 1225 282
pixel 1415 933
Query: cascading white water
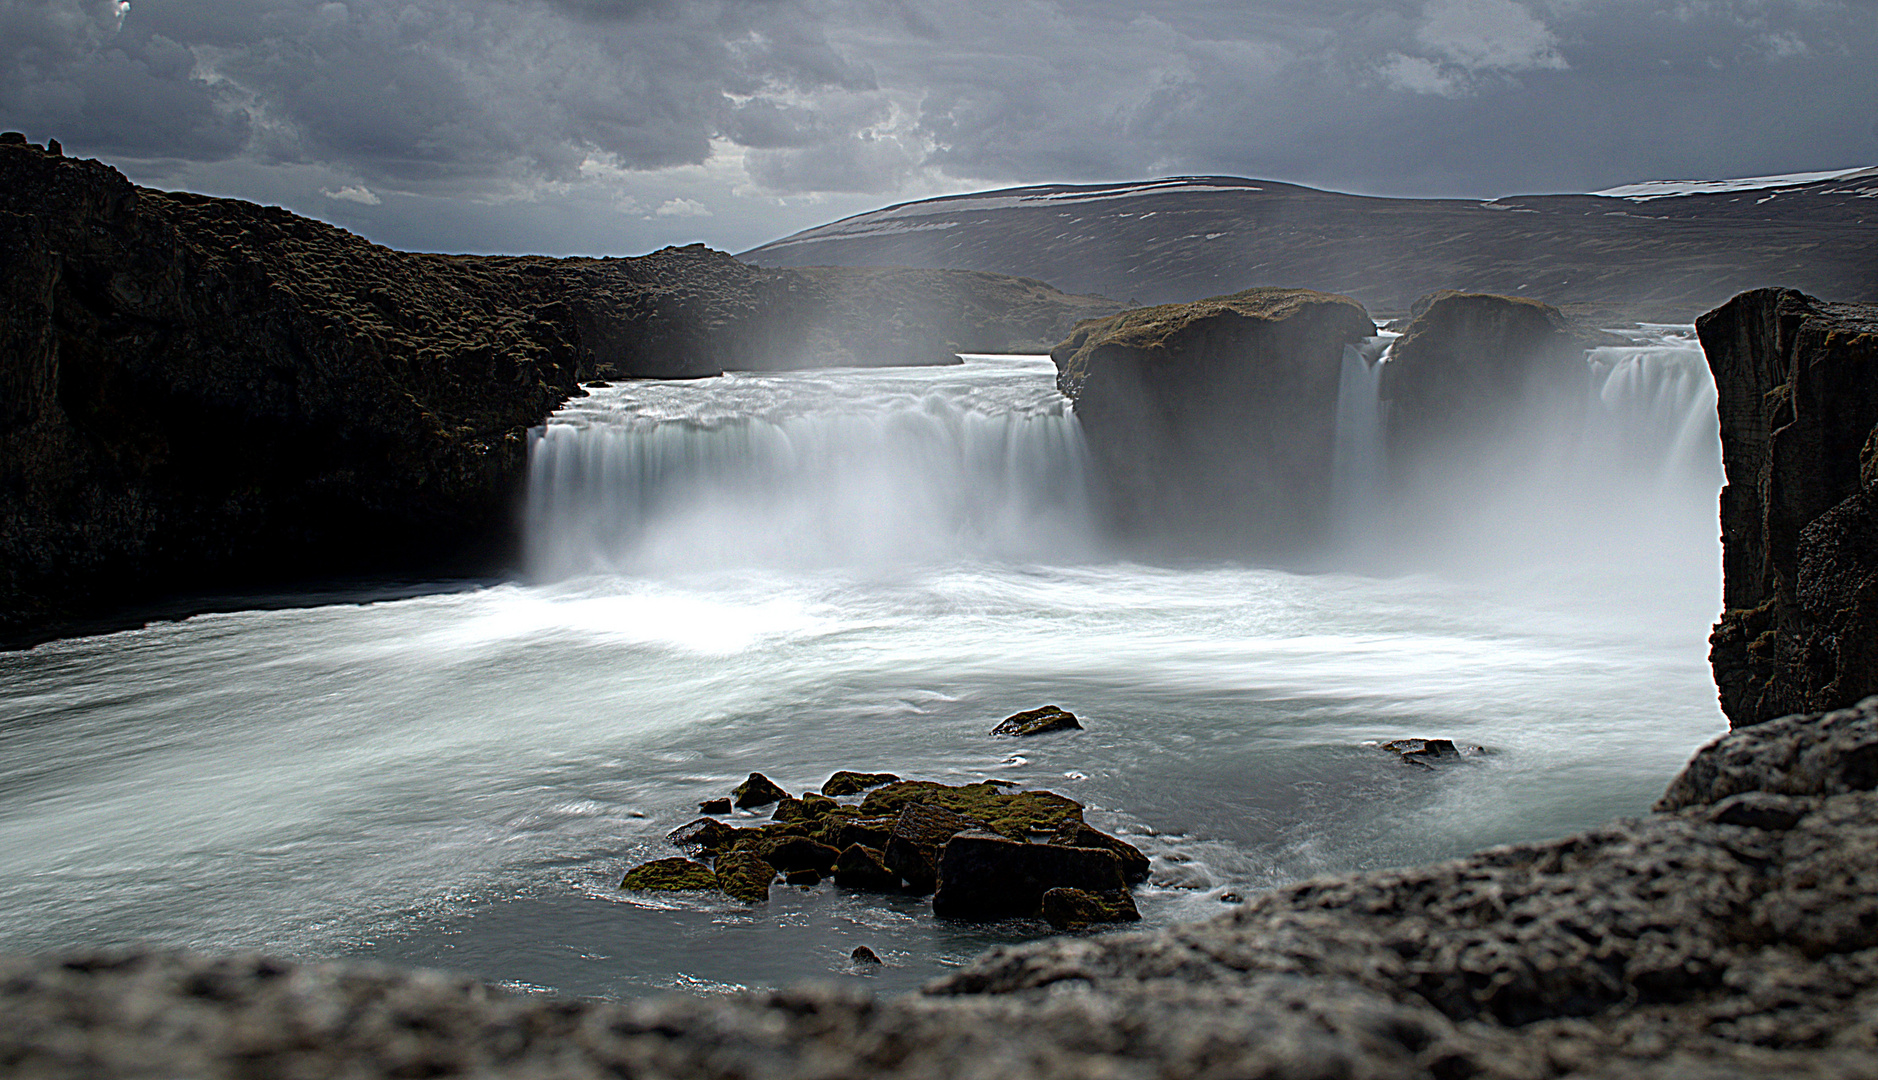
pixel 1643 450
pixel 868 469
pixel 1655 406
pixel 1358 466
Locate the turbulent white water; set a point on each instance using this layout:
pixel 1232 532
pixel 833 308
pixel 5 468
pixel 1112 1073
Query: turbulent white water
pixel 803 572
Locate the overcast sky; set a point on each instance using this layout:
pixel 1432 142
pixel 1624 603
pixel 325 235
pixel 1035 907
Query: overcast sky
pixel 619 126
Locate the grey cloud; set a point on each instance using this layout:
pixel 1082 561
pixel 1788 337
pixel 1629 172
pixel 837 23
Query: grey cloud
pixel 490 100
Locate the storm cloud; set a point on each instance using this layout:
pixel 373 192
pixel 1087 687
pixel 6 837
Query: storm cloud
pixel 618 125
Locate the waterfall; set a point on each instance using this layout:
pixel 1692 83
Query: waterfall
pixel 1358 465
pixel 889 468
pixel 1654 411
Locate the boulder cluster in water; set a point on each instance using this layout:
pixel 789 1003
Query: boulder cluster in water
pixel 982 852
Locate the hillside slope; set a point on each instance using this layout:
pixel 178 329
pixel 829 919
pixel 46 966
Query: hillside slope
pixel 1647 254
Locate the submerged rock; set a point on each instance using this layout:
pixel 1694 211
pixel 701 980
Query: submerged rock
pixel 669 875
pixel 758 790
pixel 864 955
pixel 983 875
pixel 1799 431
pixel 1212 424
pixel 1424 753
pixel 853 783
pixel 1037 722
pixel 1135 866
pixel 744 876
pixel 714 806
pixel 1074 909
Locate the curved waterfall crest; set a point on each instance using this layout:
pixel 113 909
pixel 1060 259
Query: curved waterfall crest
pixel 868 469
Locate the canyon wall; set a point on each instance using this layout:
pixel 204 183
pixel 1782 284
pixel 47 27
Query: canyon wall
pixel 1797 384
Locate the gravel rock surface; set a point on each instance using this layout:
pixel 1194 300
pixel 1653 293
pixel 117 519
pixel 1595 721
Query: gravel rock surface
pixel 1733 934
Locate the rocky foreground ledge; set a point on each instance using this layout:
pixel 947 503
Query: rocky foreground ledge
pixel 1733 933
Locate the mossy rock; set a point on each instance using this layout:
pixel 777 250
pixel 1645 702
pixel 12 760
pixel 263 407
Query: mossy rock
pixel 758 790
pixel 865 869
pixel 1074 909
pixel 745 876
pixel 669 875
pixel 808 808
pixel 759 840
pixel 853 783
pixel 1016 814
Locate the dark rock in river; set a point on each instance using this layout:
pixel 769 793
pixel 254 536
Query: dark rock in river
pixel 744 876
pixel 202 394
pixel 1075 909
pixel 983 875
pixel 1017 814
pixel 714 806
pixel 704 834
pixel 1213 423
pixel 809 807
pixel 865 869
pixel 1798 406
pixel 1037 722
pixel 1676 945
pixel 758 790
pixel 1478 383
pixel 864 955
pixel 853 783
pixel 669 875
pixel 1135 865
pixel 800 853
pixel 919 834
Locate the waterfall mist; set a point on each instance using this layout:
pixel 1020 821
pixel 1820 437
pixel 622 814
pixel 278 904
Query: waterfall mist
pixel 1600 488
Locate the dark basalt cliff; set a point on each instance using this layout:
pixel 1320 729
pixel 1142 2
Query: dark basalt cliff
pixel 1213 423
pixel 1734 933
pixel 1797 384
pixel 204 394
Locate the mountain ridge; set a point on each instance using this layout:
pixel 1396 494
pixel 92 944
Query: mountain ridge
pixel 1648 254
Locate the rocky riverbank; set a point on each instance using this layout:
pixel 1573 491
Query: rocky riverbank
pixel 1732 933
pixel 201 394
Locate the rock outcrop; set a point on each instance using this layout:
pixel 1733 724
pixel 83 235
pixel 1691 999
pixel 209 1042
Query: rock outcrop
pixel 1478 381
pixel 201 394
pixel 1734 933
pixel 1213 423
pixel 1797 385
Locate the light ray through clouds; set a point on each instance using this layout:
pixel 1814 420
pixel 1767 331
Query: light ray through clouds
pixel 616 126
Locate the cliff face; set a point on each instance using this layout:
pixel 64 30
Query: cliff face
pixel 1214 422
pixel 1797 384
pixel 202 394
